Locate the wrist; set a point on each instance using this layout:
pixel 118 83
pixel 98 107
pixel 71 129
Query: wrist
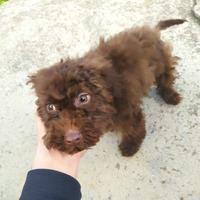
pixel 55 160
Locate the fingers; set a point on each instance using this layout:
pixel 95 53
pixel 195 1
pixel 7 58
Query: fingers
pixel 42 132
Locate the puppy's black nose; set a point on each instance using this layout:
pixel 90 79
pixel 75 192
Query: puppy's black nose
pixel 72 136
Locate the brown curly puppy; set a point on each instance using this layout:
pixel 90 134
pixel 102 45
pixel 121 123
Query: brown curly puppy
pixel 80 99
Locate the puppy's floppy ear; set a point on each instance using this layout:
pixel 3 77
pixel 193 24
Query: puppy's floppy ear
pixel 37 79
pixel 44 75
pixel 32 79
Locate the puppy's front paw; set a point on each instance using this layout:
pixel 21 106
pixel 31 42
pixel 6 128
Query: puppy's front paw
pixel 170 96
pixel 174 98
pixel 128 148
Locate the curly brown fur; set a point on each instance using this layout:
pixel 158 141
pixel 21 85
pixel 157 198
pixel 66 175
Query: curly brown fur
pixel 113 77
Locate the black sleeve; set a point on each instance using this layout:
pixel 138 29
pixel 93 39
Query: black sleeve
pixel 45 184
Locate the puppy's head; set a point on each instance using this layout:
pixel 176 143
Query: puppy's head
pixel 75 104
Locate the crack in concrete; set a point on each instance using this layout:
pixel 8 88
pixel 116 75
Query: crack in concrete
pixel 194 13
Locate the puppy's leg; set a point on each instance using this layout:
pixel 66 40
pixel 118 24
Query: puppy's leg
pixel 133 135
pixel 165 82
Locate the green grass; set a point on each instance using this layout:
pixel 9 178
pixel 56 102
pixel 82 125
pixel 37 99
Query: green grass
pixel 2 1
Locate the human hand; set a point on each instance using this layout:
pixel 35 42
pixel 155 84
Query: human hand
pixel 54 159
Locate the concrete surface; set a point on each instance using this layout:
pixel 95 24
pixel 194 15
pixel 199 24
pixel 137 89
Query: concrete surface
pixel 35 34
pixel 196 9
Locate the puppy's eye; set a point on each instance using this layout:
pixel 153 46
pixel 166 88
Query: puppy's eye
pixel 82 99
pixel 51 108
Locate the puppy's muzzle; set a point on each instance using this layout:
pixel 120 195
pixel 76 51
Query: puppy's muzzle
pixel 73 136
